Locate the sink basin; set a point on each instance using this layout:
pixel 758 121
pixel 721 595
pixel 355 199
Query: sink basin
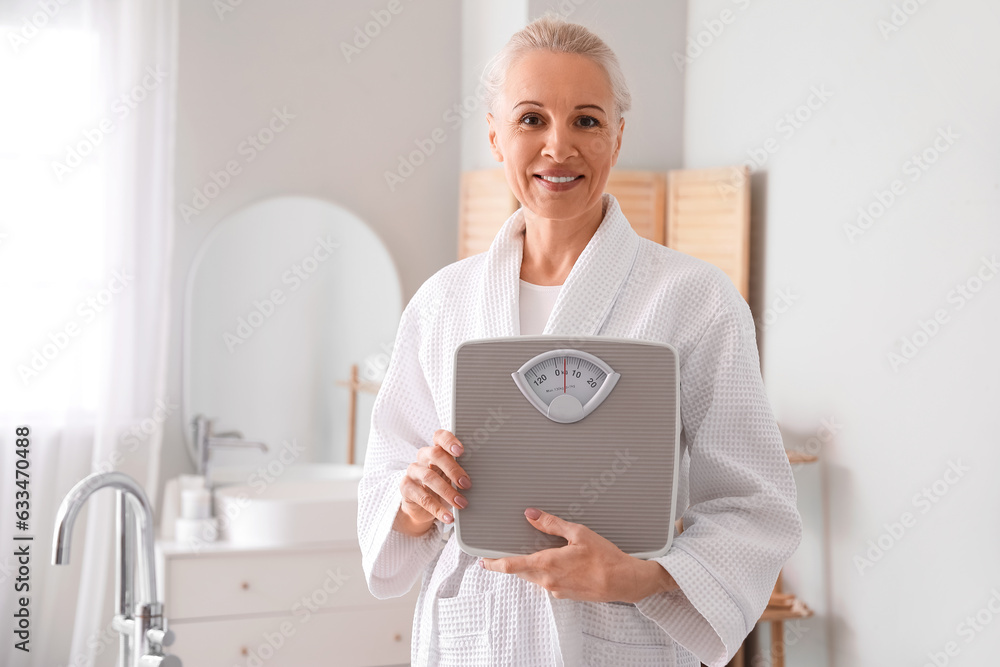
pixel 307 504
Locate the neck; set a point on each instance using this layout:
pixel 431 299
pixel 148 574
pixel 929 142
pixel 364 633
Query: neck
pixel 551 247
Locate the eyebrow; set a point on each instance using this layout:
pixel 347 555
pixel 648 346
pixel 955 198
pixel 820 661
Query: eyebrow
pixel 539 104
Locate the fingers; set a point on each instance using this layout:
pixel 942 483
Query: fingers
pixel 446 448
pixel 447 441
pixel 428 483
pixel 426 496
pixel 434 479
pixel 553 525
pixel 509 564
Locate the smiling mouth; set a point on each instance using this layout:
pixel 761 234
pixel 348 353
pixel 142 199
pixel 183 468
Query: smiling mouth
pixel 558 179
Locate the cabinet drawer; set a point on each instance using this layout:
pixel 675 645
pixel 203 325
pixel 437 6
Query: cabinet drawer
pixel 254 582
pixel 343 637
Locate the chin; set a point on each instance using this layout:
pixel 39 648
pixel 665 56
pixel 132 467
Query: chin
pixel 556 212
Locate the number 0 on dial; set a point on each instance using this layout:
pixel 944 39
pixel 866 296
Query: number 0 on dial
pixel 565 385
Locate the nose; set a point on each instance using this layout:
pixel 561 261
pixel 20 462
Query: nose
pixel 560 144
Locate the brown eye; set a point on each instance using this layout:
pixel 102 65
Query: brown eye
pixel 595 123
pixel 529 116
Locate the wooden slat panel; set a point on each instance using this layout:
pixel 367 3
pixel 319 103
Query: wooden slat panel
pixel 708 216
pixel 642 197
pixel 485 203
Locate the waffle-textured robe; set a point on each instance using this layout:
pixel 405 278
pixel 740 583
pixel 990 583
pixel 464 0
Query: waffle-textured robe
pixel 736 493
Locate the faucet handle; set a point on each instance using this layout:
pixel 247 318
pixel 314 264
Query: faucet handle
pixel 160 637
pixel 123 624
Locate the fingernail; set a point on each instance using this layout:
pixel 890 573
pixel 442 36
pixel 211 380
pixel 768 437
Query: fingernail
pixel 532 513
pixel 464 482
pixel 482 564
pixel 447 518
pixel 456 450
pixel 461 502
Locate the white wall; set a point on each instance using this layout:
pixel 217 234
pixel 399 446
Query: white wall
pixel 854 298
pixel 486 27
pixel 353 121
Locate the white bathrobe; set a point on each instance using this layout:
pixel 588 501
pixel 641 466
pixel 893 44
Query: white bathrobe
pixel 736 492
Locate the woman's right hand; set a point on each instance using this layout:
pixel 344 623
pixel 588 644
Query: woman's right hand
pixel 427 486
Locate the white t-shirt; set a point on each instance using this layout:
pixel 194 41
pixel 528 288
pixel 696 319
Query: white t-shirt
pixel 535 304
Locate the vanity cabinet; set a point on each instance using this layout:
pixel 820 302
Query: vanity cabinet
pixel 285 606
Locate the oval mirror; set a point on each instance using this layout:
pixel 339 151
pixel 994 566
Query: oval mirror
pixel 282 299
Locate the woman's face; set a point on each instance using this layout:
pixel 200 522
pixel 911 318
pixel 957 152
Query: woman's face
pixel 554 120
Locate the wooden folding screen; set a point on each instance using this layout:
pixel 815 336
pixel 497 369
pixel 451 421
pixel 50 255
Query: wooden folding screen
pixel 708 216
pixel 704 212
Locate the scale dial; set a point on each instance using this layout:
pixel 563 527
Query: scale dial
pixel 565 385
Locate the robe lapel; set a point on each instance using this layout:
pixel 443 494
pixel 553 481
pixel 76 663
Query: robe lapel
pixel 591 288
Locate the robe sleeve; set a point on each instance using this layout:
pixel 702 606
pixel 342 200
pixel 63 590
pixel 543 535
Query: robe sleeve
pixel 403 420
pixel 742 523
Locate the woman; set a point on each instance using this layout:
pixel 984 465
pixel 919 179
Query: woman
pixel 556 97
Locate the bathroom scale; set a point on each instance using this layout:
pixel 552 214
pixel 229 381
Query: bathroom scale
pixel 583 427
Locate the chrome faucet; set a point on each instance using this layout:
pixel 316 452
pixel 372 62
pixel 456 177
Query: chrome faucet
pixel 139 619
pixel 205 439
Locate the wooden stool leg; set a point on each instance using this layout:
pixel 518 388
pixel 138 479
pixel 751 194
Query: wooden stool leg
pixel 777 634
pixel 751 646
pixel 739 660
pixel 352 414
pixel 777 644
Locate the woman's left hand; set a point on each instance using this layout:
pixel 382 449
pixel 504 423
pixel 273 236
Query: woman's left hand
pixel 589 568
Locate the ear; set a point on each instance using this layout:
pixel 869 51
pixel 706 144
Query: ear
pixel 618 144
pixel 494 146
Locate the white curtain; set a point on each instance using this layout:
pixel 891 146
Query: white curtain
pixel 87 99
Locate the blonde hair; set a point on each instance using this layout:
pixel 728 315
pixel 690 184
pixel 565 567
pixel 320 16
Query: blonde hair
pixel 553 33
